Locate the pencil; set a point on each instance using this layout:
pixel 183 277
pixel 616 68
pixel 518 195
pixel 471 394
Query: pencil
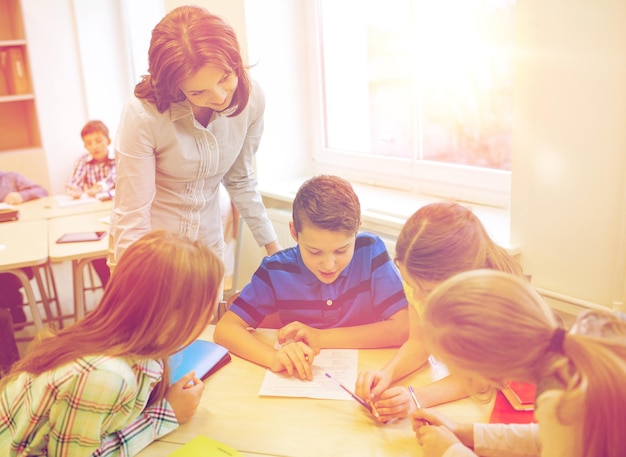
pixel 374 410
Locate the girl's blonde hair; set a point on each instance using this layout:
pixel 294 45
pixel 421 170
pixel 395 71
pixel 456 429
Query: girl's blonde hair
pixel 495 326
pixel 445 238
pixel 161 296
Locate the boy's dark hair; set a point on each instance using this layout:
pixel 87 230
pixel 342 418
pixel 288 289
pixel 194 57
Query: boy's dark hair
pixel 327 202
pixel 94 127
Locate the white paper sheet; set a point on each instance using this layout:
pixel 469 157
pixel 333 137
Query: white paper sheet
pixel 66 200
pixel 341 364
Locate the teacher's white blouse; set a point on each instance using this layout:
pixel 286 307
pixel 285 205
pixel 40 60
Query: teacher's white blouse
pixel 169 168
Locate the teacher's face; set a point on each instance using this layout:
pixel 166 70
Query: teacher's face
pixel 211 87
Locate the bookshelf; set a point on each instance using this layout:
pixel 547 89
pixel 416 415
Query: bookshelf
pixel 17 101
pixel 20 140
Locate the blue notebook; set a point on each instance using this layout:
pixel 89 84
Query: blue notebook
pixel 203 357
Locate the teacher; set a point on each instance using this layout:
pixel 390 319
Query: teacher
pixel 194 121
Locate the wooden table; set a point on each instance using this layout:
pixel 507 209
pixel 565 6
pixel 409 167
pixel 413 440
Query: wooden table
pixel 25 244
pixel 231 411
pixel 50 208
pixel 80 254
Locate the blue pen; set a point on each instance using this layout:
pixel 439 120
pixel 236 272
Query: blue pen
pixel 363 403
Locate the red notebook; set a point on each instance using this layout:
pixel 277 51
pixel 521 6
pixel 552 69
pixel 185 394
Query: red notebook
pixel 514 404
pixel 521 395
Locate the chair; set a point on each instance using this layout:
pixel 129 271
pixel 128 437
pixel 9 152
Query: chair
pixel 270 321
pixel 90 284
pixel 47 294
pixel 233 231
pixel 8 345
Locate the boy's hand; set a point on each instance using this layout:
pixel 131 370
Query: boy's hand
pixel 296 358
pixel 13 198
pixel 297 331
pixel 75 193
pixel 94 190
pixel 184 396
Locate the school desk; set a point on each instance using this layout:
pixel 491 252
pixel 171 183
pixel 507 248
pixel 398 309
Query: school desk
pixel 79 253
pixel 232 412
pixel 49 208
pixel 25 244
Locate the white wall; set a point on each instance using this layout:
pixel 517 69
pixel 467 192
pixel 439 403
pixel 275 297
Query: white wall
pixel 569 168
pixel 58 83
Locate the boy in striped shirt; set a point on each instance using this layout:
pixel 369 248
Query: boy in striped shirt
pixel 337 288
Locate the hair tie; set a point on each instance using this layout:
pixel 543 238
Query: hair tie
pixel 556 342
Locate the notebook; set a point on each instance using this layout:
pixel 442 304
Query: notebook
pixel 8 214
pixel 504 413
pixel 203 357
pixel 202 446
pixel 520 395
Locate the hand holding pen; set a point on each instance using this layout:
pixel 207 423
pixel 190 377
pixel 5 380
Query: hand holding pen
pixel 418 405
pixel 366 404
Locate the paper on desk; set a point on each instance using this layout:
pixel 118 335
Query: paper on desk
pixel 342 364
pixel 66 200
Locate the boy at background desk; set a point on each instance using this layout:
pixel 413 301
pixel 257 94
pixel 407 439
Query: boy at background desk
pixel 336 288
pixel 93 174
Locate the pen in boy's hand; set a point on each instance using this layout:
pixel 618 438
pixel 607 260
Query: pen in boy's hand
pixel 365 404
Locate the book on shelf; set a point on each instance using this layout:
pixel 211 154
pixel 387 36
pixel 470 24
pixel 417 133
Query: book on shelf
pixel 4 85
pixel 14 70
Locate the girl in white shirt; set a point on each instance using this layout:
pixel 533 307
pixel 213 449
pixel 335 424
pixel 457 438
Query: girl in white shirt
pixel 492 327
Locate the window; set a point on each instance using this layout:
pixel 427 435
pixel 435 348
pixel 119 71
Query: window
pixel 417 94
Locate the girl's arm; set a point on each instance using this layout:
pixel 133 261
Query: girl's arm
pixel 412 354
pixel 102 411
pixel 154 422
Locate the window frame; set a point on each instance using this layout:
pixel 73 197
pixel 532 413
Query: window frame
pixel 484 186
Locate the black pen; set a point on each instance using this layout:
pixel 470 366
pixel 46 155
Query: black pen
pixel 353 395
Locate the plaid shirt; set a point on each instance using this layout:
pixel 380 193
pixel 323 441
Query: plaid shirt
pixel 88 172
pixel 95 405
pixel 15 182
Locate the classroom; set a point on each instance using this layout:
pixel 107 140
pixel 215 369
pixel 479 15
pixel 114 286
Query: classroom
pixel 556 202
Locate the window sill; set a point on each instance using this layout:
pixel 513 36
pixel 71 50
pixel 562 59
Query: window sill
pixel 384 211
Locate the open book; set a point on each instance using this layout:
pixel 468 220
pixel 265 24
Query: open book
pixel 203 357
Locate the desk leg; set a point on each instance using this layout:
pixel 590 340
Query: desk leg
pixel 78 267
pixel 45 299
pixel 30 296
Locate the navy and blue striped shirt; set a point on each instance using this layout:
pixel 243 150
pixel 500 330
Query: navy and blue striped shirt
pixel 368 290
